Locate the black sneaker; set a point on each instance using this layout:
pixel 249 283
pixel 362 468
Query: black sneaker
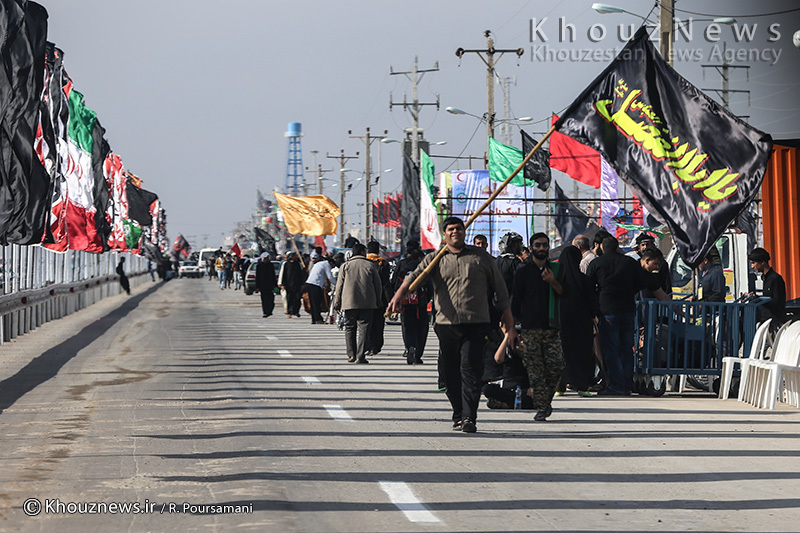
pixel 411 354
pixel 468 426
pixel 540 416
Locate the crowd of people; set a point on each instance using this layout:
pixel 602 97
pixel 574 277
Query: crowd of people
pixel 575 315
pixel 519 328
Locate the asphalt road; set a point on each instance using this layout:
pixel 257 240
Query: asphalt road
pixel 182 397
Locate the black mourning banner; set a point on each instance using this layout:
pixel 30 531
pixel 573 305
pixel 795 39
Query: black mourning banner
pixel 25 185
pixel 570 221
pixel 266 242
pixel 685 156
pixel 139 202
pixel 538 168
pixel 409 208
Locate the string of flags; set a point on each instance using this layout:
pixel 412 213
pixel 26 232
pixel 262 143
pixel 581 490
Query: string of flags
pixel 63 186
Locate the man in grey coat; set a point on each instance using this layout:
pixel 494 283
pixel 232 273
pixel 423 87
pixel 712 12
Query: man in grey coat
pixel 358 293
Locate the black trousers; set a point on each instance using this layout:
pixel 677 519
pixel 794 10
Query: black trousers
pixel 267 301
pixel 293 298
pixel 124 283
pixel 356 331
pixel 375 344
pixel 315 301
pixel 461 358
pixel 414 324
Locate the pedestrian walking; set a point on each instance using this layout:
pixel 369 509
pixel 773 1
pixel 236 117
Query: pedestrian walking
pixel 220 266
pixel 536 300
pixel 319 279
pixel 265 281
pixel 414 320
pixel 358 293
pixel 123 279
pixel 375 344
pixel 292 281
pixel 462 280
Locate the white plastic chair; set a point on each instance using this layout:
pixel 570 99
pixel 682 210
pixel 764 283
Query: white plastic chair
pixel 769 374
pixel 748 381
pixel 756 352
pixel 792 385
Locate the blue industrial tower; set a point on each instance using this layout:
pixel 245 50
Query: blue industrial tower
pixel 295 180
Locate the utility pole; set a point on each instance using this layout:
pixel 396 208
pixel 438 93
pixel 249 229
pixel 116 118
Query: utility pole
pixel 666 35
pixel 724 74
pixel 505 127
pixel 343 159
pixel 368 140
pixel 414 75
pixel 490 62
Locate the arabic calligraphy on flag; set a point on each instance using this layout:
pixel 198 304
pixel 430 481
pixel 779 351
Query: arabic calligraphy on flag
pixel 309 215
pixel 686 157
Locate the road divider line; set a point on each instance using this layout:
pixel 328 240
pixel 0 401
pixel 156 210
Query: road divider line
pixel 337 413
pixel 284 353
pixel 272 338
pixel 401 496
pixel 311 380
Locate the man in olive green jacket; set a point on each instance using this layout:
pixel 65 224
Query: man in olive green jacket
pixel 358 294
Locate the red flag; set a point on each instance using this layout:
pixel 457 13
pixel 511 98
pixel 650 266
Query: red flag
pixel 319 240
pixel 235 250
pixel 576 160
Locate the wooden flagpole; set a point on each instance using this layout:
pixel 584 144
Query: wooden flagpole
pixel 298 253
pixel 417 282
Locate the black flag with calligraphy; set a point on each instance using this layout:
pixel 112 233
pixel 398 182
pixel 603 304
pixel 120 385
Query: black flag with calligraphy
pixel 686 157
pixel 538 168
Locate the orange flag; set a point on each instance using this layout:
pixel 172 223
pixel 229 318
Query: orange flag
pixel 309 215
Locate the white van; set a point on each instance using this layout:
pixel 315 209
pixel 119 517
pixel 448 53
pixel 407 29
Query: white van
pixel 205 253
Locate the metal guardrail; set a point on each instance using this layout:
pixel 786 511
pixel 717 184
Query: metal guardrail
pixel 24 311
pixel 691 338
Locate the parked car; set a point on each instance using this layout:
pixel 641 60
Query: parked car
pixel 189 269
pixel 250 277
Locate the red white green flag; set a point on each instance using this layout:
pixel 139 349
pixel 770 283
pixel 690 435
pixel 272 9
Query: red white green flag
pixel 81 228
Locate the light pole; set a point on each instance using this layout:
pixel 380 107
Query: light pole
pixel 489 60
pixel 457 111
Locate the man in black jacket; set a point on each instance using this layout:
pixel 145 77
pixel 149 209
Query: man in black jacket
pixel 768 283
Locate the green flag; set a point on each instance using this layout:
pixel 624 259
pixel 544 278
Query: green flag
pixel 132 233
pixel 503 160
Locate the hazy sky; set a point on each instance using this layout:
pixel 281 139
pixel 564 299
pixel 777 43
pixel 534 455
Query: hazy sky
pixel 196 95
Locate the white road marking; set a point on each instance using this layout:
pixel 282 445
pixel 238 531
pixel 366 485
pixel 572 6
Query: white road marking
pixel 272 338
pixel 311 380
pixel 337 413
pixel 284 353
pixel 402 497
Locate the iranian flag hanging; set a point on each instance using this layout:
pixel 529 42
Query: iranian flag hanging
pixel 431 236
pixel 118 207
pixel 81 228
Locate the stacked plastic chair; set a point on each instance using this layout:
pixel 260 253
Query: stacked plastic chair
pixel 765 378
pixel 757 351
